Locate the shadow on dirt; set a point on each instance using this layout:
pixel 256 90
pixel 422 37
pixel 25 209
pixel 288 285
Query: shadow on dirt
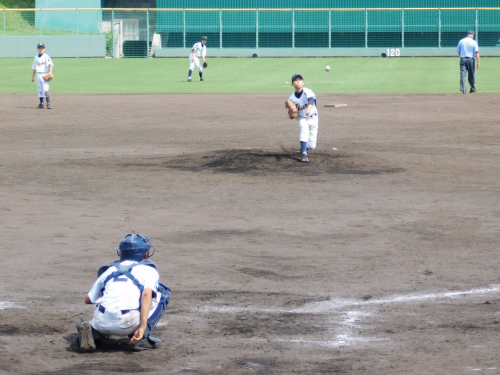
pixel 261 162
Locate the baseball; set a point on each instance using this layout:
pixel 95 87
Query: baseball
pixel 327 68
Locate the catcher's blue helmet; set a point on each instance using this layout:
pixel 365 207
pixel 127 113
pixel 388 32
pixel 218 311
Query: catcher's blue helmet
pixel 134 247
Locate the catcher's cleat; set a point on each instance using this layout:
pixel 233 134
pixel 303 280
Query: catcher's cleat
pixel 49 106
pixel 304 158
pixel 145 344
pixel 189 79
pixel 201 79
pixel 85 338
pixel 40 106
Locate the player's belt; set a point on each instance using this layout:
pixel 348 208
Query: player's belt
pixel 103 309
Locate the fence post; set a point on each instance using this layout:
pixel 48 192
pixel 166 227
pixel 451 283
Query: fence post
pixel 402 27
pixel 329 28
pixel 113 32
pixel 41 23
pixel 184 28
pixel 4 20
pixel 366 27
pixel 293 27
pixel 257 28
pixel 476 26
pixel 220 27
pixel 76 21
pixel 439 27
pixel 147 32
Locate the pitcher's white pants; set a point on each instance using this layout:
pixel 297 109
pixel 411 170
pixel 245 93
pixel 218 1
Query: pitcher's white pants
pixel 309 130
pixel 195 61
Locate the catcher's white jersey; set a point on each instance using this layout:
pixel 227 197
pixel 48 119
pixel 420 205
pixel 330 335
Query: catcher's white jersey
pixel 42 63
pixel 121 293
pixel 199 49
pixel 305 98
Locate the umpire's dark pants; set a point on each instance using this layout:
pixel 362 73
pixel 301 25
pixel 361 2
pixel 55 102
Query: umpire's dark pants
pixel 467 65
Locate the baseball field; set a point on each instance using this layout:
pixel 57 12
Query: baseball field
pixel 380 256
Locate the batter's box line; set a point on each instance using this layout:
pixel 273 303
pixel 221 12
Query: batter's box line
pixel 324 307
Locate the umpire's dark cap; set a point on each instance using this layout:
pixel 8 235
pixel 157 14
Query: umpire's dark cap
pixel 204 38
pixel 40 45
pixel 471 32
pixel 297 75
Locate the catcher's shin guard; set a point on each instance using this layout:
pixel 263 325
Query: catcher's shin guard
pixel 160 309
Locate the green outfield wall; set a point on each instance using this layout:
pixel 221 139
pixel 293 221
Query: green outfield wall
pixel 432 29
pixel 70 19
pixel 323 52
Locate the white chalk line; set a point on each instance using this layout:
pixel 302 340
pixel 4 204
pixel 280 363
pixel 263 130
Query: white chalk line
pixel 331 305
pixel 9 305
pixel 346 328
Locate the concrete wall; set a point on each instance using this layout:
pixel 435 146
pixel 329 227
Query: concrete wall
pixel 56 46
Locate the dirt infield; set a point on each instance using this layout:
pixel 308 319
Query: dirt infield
pixel 380 257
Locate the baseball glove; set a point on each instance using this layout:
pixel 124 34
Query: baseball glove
pixel 48 77
pixel 205 65
pixel 292 109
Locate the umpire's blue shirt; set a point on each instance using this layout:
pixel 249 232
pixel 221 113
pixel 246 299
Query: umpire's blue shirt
pixel 467 47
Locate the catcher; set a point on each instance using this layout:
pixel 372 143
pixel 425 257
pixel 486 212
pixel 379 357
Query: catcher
pixel 302 106
pixel 199 50
pixel 42 66
pixel 129 298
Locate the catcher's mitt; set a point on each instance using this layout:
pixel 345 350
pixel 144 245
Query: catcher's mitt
pixel 205 65
pixel 48 77
pixel 292 109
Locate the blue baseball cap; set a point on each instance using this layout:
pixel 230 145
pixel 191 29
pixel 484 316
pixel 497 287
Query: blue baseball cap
pixel 297 75
pixel 204 38
pixel 40 45
pixel 471 32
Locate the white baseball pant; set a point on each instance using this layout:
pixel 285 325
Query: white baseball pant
pixel 309 130
pixel 116 323
pixel 42 85
pixel 195 61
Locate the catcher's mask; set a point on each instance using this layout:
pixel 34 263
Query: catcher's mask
pixel 134 247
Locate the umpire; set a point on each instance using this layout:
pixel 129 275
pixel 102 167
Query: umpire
pixel 468 50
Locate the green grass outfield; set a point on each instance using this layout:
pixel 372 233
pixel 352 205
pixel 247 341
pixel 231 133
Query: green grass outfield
pixel 247 75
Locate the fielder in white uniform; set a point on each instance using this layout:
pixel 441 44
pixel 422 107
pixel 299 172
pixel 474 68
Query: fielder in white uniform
pixel 199 50
pixel 41 66
pixel 305 101
pixel 129 298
